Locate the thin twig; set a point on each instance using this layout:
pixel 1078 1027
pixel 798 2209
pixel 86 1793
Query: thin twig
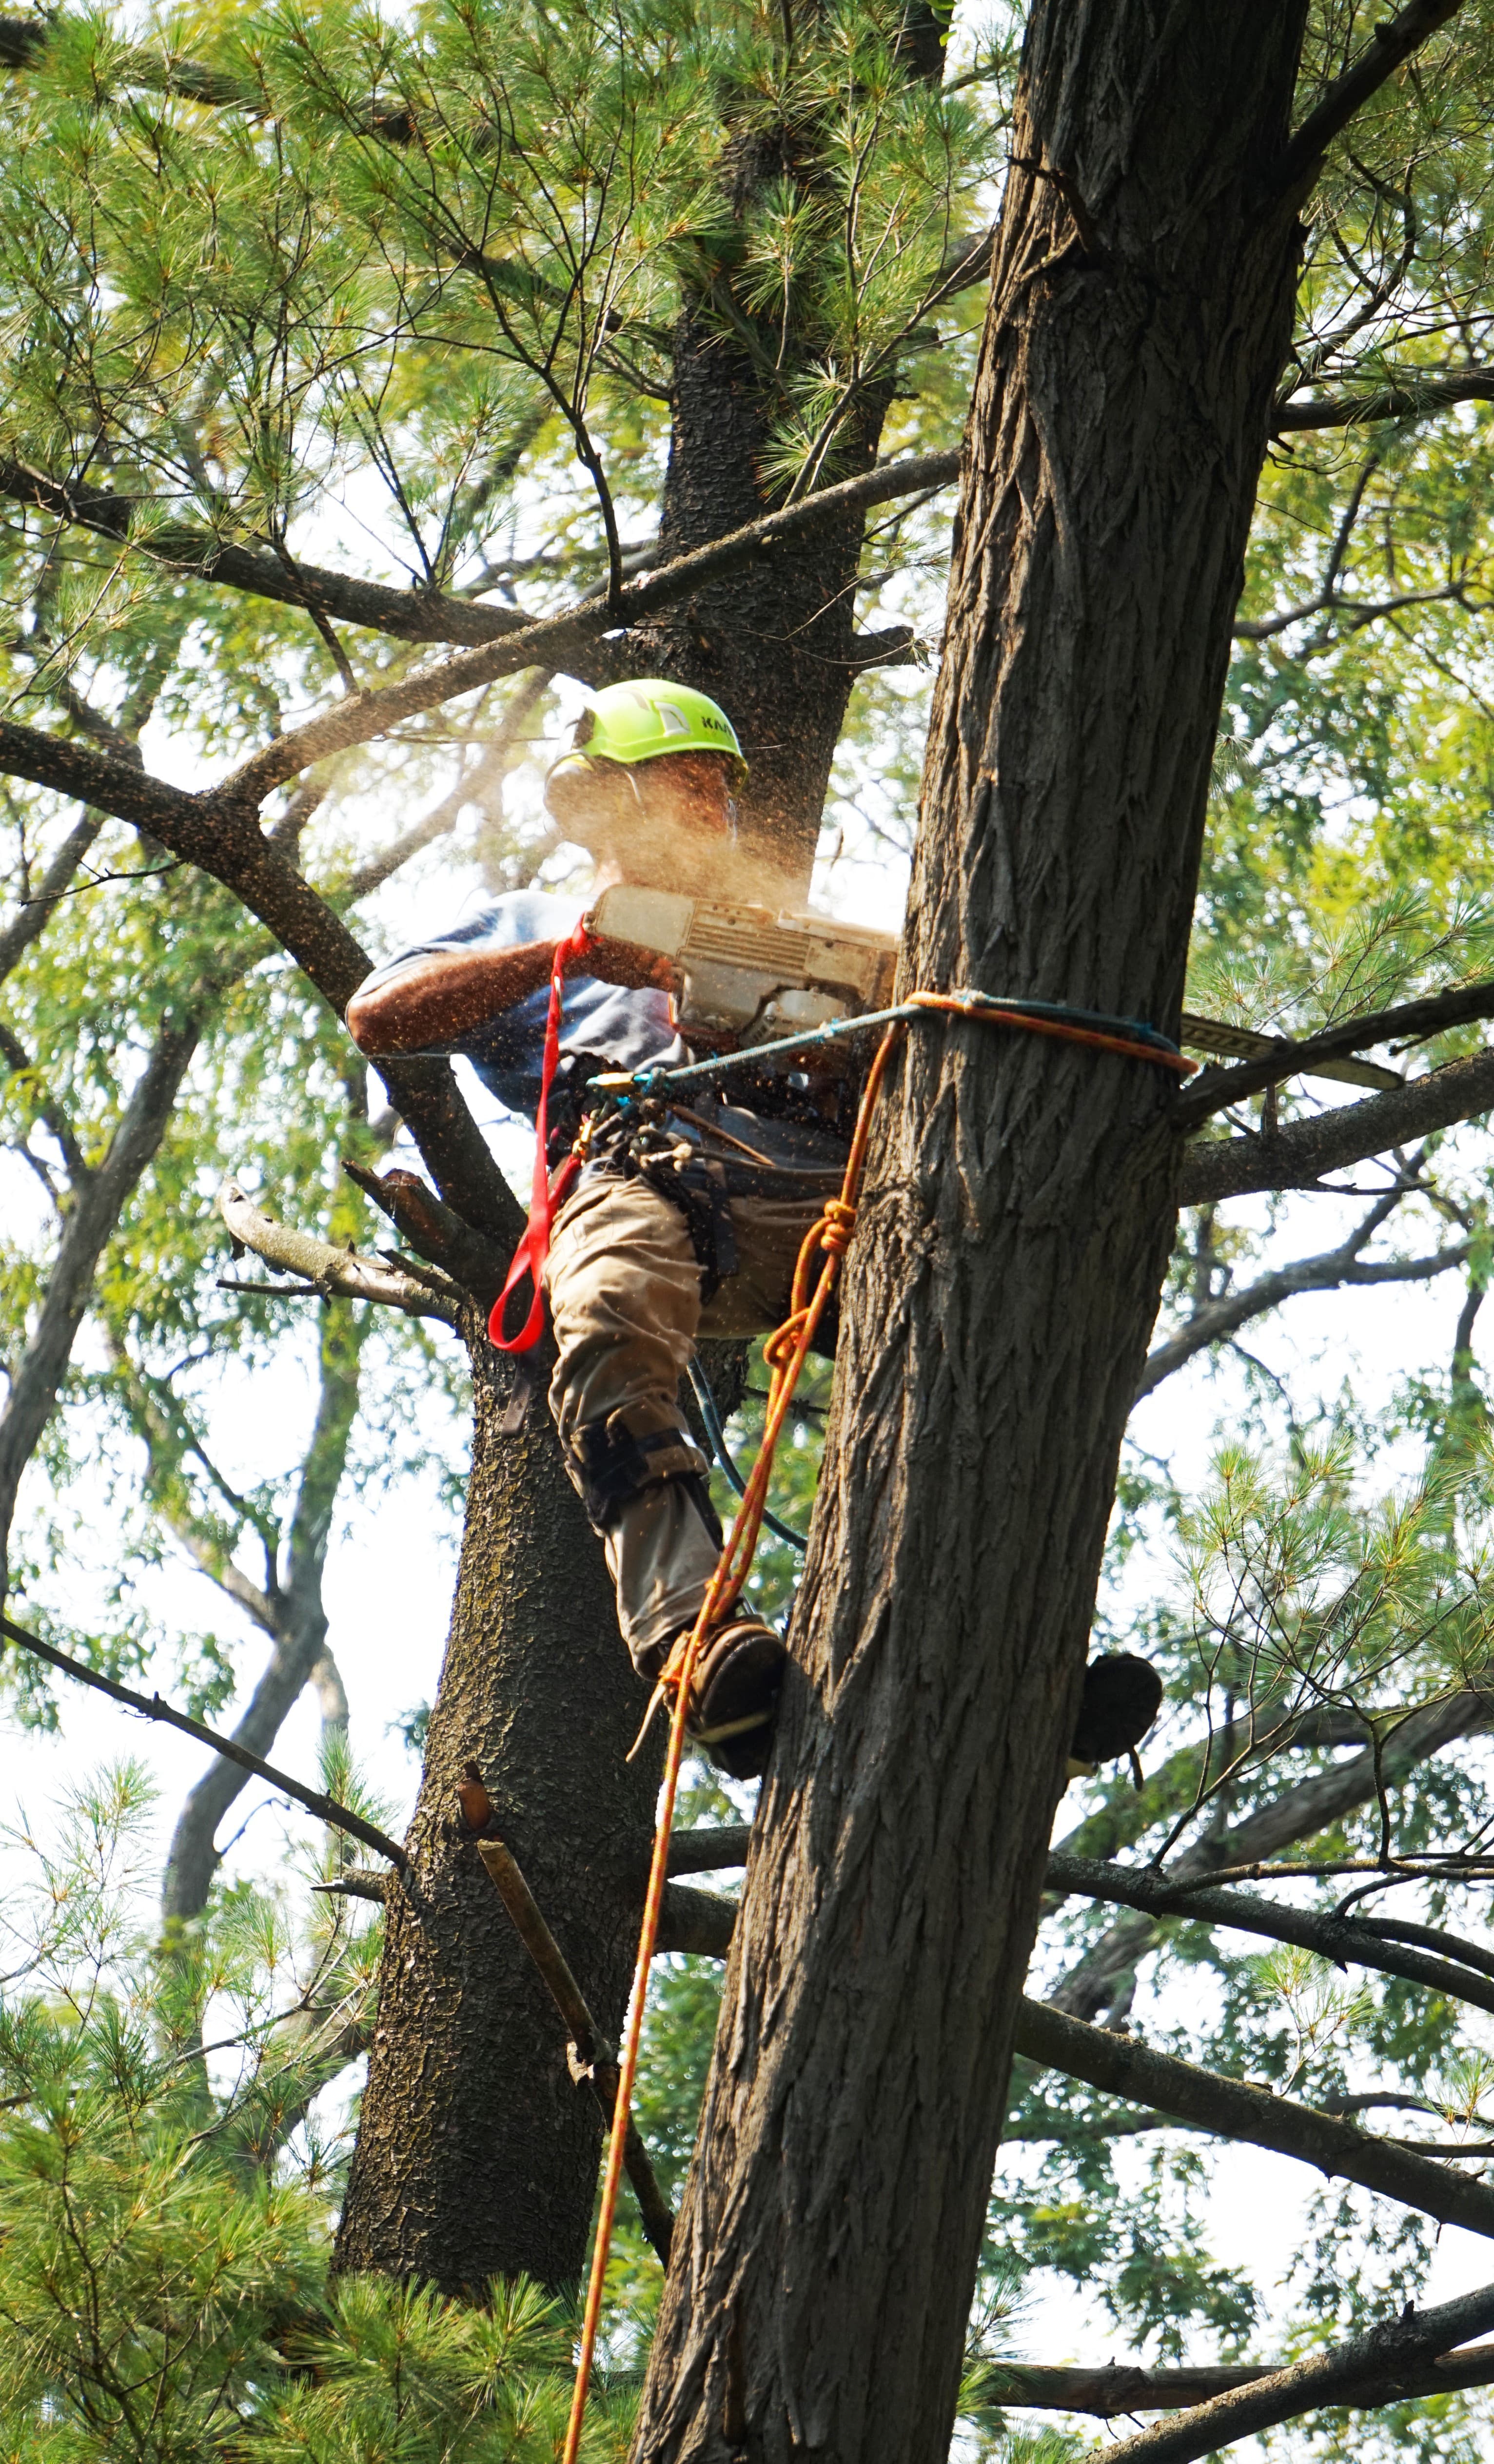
pixel 150 1706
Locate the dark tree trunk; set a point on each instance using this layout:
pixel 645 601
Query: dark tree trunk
pixel 1016 1225
pixel 775 643
pixel 477 2155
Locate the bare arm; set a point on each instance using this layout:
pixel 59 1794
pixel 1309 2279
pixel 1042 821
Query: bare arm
pixel 439 999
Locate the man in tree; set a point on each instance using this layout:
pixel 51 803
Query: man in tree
pixel 684 1222
pixel 681 1223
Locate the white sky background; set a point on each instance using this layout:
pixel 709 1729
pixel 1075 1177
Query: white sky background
pixel 390 1572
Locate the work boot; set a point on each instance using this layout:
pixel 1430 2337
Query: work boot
pixel 734 1696
pixel 1121 1698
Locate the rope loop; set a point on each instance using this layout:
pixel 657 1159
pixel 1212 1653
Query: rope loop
pixel 835 1227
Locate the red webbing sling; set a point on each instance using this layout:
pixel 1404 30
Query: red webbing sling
pixel 545 1198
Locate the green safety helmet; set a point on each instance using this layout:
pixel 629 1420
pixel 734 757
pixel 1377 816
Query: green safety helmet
pixel 640 720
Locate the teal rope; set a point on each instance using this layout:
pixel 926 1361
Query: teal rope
pixel 645 1080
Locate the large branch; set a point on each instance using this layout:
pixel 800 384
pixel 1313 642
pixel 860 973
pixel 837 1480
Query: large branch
pixel 1393 41
pixel 1328 1272
pixel 410 615
pixel 1299 1813
pixel 219 833
pixel 1039 2387
pixel 418 615
pixel 554 641
pixel 1122 2066
pixel 1339 1939
pixel 1296 1155
pixel 1406 397
pixel 1407 1023
pixel 1402 2357
pixel 328 1270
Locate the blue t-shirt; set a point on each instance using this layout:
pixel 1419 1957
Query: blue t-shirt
pixel 602 1026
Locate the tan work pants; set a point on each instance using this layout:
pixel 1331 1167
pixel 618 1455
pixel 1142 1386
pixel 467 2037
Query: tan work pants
pixel 624 1287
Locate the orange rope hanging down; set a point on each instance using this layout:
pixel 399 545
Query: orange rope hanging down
pixel 785 1353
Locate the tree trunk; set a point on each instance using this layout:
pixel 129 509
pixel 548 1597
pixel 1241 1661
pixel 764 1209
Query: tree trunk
pixel 96 1206
pixel 774 644
pixel 1017 1221
pixel 295 1617
pixel 477 2155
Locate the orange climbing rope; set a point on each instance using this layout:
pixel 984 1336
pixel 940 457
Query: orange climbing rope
pixel 785 1353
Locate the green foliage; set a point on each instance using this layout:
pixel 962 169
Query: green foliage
pixel 166 2194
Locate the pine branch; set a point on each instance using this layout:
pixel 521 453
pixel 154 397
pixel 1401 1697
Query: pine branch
pixel 1394 42
pixel 150 1706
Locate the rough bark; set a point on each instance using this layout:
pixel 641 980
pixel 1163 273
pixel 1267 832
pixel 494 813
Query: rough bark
pixel 476 2154
pixel 774 644
pixel 1012 1243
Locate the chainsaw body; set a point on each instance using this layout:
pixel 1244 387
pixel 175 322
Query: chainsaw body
pixel 751 973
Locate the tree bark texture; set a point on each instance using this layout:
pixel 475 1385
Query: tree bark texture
pixel 1018 1221
pixel 476 2154
pixel 774 644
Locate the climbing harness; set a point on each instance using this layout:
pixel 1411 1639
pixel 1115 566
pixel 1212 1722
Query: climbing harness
pixel 785 1353
pixel 545 1198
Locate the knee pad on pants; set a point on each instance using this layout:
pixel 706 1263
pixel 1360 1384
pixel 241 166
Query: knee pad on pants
pixel 614 1461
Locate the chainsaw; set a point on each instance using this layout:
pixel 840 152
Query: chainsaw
pixel 751 975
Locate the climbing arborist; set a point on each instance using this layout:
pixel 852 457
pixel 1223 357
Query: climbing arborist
pixel 684 1222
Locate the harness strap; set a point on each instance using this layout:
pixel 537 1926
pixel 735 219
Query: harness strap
pixel 546 1196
